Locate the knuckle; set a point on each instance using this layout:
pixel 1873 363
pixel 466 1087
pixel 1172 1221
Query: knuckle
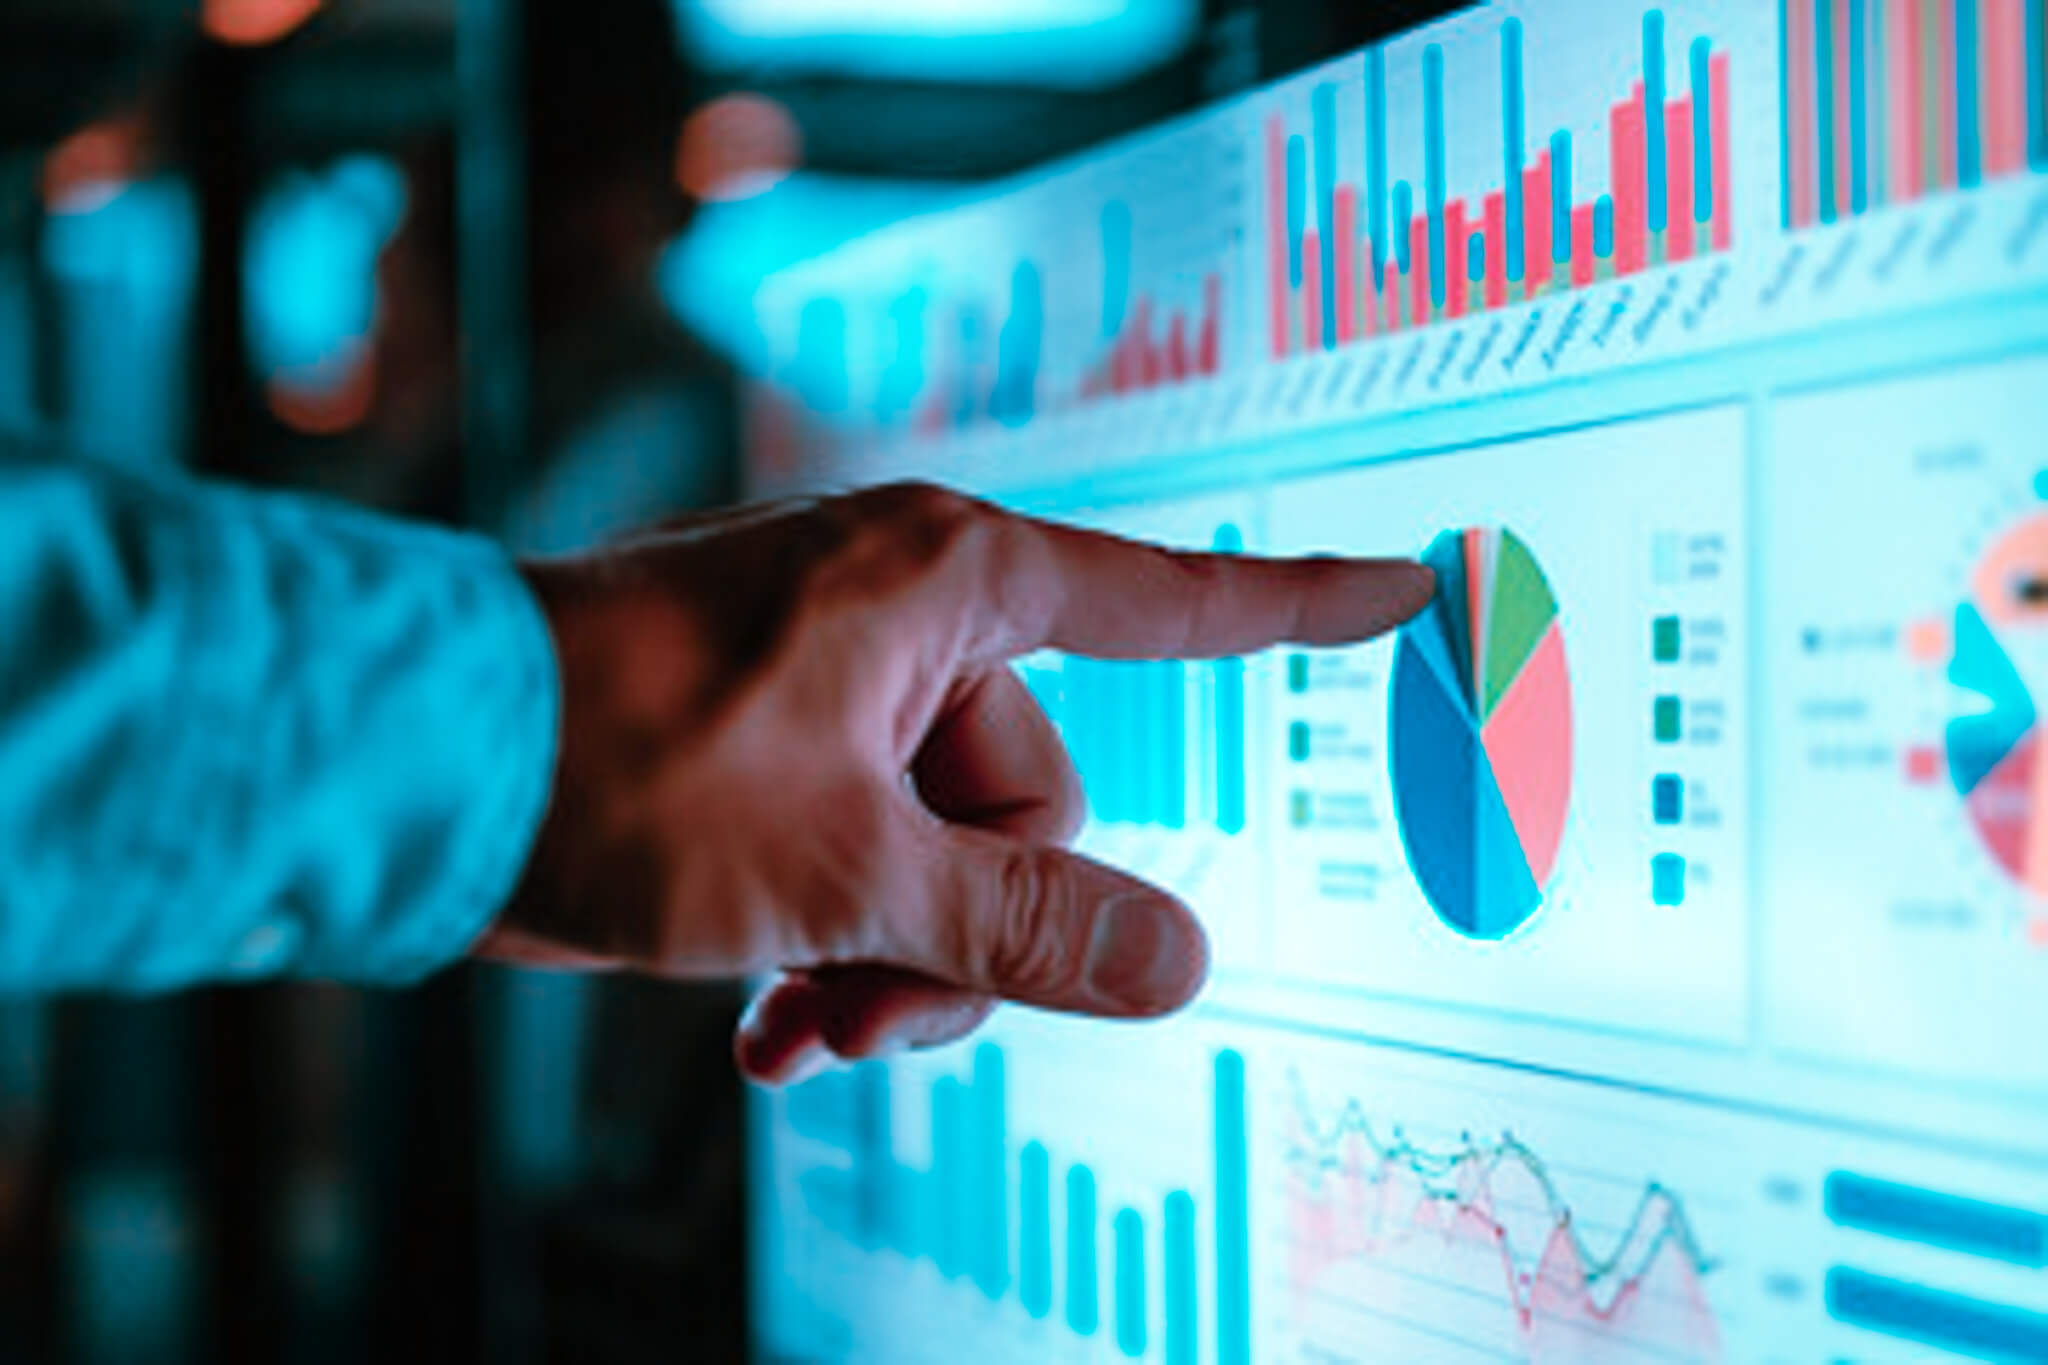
pixel 1031 949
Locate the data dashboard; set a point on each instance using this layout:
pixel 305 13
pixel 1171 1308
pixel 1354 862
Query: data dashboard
pixel 1642 955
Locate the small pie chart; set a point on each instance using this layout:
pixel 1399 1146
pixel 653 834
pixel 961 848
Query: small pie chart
pixel 1480 721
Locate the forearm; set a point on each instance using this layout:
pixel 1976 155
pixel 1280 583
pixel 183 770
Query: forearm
pixel 248 735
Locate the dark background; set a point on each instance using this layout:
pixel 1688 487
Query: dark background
pixel 445 258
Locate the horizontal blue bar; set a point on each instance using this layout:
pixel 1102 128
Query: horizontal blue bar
pixel 1915 1313
pixel 1994 1231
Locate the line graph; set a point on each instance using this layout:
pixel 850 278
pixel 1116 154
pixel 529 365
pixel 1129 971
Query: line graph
pixel 1403 1230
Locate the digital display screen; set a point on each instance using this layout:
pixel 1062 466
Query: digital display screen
pixel 1642 956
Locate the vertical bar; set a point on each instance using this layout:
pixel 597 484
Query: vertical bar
pixel 951 1210
pixel 1453 269
pixel 1323 107
pixel 1276 231
pixel 1083 1310
pixel 1969 129
pixel 1404 255
pixel 1174 703
pixel 1297 222
pixel 1511 143
pixel 1991 92
pixel 1208 348
pixel 1229 686
pixel 1536 237
pixel 1495 215
pixel 1433 167
pixel 1678 241
pixel 1233 1215
pixel 1719 82
pixel 1625 177
pixel 2037 83
pixel 1368 305
pixel 1653 111
pixel 1475 269
pixel 1034 1229
pixel 1825 171
pixel 1843 125
pixel 1182 1313
pixel 1800 100
pixel 1418 279
pixel 2006 54
pixel 1344 228
pixel 1603 229
pixel 1560 200
pixel 1859 110
pixel 1376 156
pixel 1940 82
pixel 1390 290
pixel 1312 290
pixel 992 1184
pixel 1130 1282
pixel 1904 100
pixel 1582 263
pixel 1703 106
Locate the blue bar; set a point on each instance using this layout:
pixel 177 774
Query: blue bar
pixel 1297 206
pixel 1034 1229
pixel 1233 1216
pixel 1859 111
pixel 951 1211
pixel 1229 739
pixel 1785 115
pixel 1175 689
pixel 1116 265
pixel 1969 143
pixel 1951 1321
pixel 1433 166
pixel 1653 122
pixel 1376 161
pixel 1404 210
pixel 1824 101
pixel 1702 139
pixel 1511 140
pixel 873 1156
pixel 1603 227
pixel 1130 1283
pixel 1182 1316
pixel 991 1177
pixel 1323 106
pixel 1083 1314
pixel 1560 198
pixel 1475 260
pixel 1994 1231
pixel 2037 83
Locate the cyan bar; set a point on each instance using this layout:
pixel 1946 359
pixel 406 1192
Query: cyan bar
pixel 873 1155
pixel 1511 141
pixel 1174 699
pixel 1323 108
pixel 1995 1231
pixel 1603 227
pixel 1404 212
pixel 991 1193
pixel 1034 1229
pixel 1785 113
pixel 1969 129
pixel 1297 206
pixel 1433 168
pixel 1653 122
pixel 1702 141
pixel 1376 161
pixel 2036 25
pixel 1233 1215
pixel 1130 1283
pixel 1083 1311
pixel 1859 110
pixel 1951 1321
pixel 952 1212
pixel 1560 197
pixel 1182 1314
pixel 1824 105
pixel 1475 258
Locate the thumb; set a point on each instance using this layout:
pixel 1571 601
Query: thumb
pixel 1037 924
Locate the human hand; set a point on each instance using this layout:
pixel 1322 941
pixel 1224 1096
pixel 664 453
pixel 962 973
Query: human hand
pixel 791 742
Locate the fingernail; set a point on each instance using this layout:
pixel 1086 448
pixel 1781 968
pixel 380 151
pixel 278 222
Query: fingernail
pixel 813 1061
pixel 1144 954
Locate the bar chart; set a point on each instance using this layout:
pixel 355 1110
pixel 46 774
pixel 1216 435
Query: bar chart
pixel 1888 101
pixel 1145 343
pixel 1355 248
pixel 953 1211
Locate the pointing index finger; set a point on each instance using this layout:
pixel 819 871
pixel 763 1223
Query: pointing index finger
pixel 1087 592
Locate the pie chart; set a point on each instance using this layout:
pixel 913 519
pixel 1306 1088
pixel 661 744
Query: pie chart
pixel 1994 745
pixel 1480 722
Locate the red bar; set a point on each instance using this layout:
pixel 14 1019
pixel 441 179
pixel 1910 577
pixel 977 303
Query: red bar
pixel 1843 132
pixel 1418 269
pixel 1495 212
pixel 1391 291
pixel 1311 291
pixel 2004 86
pixel 1582 245
pixel 1799 117
pixel 1991 95
pixel 1902 100
pixel 1455 233
pixel 1628 168
pixel 1943 81
pixel 1723 170
pixel 1123 369
pixel 1276 229
pixel 1536 224
pixel 1207 359
pixel 1678 173
pixel 1151 365
pixel 1368 297
pixel 1346 228
pixel 1177 349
